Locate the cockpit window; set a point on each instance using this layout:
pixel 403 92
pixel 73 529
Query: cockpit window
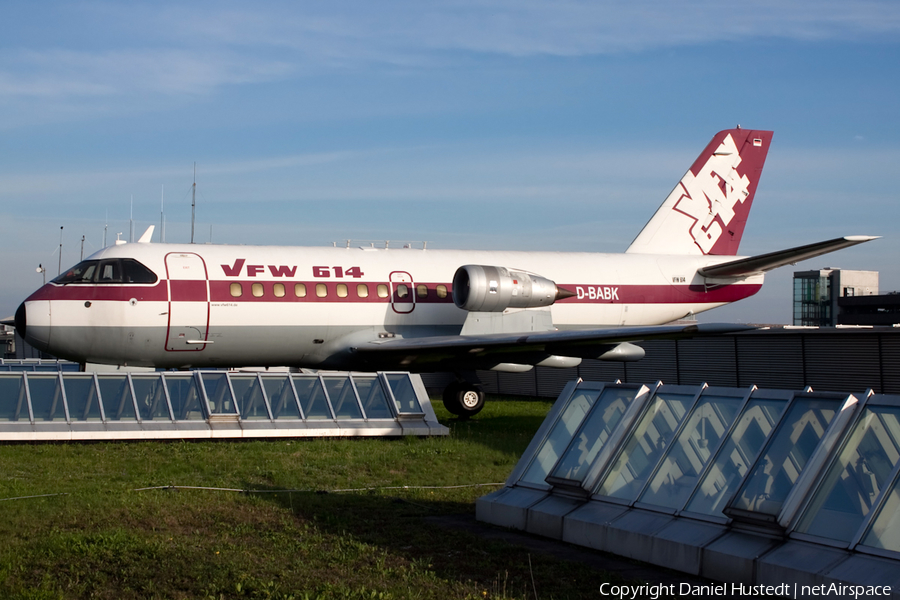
pixel 111 270
pixel 135 272
pixel 83 272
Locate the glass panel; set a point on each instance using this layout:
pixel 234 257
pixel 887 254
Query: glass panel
pixel 81 395
pixel 281 397
pixel 404 394
pixel 646 445
pixel 83 272
pixel 185 397
pixel 374 400
pixel 13 406
pixel 46 398
pixel 885 530
pixel 790 447
pixel 343 400
pixel 855 479
pixel 249 395
pixel 687 457
pixel 593 433
pixel 736 455
pixel 135 272
pixel 560 435
pixel 151 397
pixel 218 394
pixel 312 397
pixel 116 396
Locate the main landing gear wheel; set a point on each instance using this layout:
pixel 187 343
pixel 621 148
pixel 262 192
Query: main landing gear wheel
pixel 463 399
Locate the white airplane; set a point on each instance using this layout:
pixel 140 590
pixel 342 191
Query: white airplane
pixel 421 310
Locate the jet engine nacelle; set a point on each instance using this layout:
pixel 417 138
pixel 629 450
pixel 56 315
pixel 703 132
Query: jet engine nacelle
pixel 494 289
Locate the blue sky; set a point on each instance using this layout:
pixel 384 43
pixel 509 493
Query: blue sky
pixel 489 124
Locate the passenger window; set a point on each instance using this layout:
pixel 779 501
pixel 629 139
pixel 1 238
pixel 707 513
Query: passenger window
pixel 300 290
pixel 236 290
pixel 321 290
pixel 257 290
pixel 441 291
pixel 382 290
pixel 422 291
pixel 402 290
pixel 362 290
pixel 278 290
pixel 342 290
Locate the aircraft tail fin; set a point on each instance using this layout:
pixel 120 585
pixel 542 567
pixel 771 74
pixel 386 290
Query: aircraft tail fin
pixel 707 211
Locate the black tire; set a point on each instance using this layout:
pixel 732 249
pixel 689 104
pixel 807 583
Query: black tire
pixel 451 398
pixel 463 399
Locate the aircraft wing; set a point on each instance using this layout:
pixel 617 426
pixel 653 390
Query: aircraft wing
pixel 469 352
pixel 756 265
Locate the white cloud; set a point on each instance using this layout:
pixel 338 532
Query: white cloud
pixel 54 72
pixel 177 50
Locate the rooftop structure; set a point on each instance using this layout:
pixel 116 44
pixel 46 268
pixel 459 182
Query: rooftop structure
pixel 61 405
pixel 741 485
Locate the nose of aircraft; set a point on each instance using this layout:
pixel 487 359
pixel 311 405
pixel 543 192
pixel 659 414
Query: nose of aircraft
pixel 21 321
pixel 33 323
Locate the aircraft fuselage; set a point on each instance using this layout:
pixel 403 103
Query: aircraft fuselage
pixel 218 305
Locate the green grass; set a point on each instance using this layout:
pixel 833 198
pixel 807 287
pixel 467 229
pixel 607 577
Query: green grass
pixel 100 538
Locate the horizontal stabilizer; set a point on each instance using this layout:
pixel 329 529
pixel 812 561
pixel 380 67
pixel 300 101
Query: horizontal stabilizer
pixel 755 265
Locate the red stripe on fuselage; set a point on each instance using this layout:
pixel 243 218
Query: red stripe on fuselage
pixel 657 294
pixel 220 291
pixel 188 290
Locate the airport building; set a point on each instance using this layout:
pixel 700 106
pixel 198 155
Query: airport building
pixel 819 295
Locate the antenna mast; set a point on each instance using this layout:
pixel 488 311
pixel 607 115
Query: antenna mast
pixel 193 201
pixel 162 215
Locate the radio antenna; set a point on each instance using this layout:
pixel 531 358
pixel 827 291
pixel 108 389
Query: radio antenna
pixel 193 201
pixel 60 251
pixel 162 215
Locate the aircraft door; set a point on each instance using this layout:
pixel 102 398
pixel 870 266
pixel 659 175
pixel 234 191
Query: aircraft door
pixel 188 303
pixel 403 296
